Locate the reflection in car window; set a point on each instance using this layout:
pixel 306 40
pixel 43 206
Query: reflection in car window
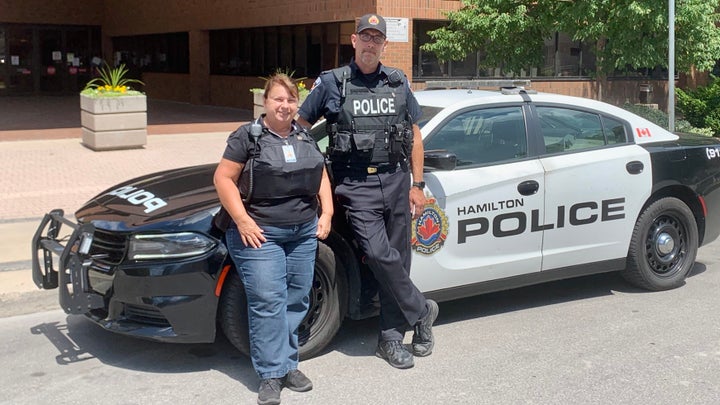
pixel 614 131
pixel 427 114
pixel 482 136
pixel 565 129
pixel 317 132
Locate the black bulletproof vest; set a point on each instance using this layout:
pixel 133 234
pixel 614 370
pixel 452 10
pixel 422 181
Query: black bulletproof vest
pixel 369 115
pixel 270 173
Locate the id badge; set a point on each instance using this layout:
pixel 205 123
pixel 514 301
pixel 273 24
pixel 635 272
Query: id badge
pixel 289 153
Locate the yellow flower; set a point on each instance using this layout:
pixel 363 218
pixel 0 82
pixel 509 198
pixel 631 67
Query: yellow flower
pixel 112 80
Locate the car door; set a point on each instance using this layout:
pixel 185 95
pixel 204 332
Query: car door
pixel 596 182
pixel 478 223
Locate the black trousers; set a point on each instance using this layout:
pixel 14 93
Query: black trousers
pixel 378 210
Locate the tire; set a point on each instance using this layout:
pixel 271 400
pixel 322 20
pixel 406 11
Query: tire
pixel 663 247
pixel 328 304
pixel 233 313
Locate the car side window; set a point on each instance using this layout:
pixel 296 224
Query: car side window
pixel 319 134
pixel 614 131
pixel 566 130
pixel 482 136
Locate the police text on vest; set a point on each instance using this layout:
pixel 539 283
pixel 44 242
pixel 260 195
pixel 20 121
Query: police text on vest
pixel 374 106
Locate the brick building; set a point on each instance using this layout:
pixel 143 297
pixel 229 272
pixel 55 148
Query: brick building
pixel 213 51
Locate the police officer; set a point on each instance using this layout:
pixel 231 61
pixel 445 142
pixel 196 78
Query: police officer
pixel 283 186
pixel 375 145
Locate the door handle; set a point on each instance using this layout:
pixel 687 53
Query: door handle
pixel 528 187
pixel 635 167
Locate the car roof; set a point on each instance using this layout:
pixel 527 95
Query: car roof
pixel 447 97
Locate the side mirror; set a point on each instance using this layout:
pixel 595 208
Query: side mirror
pixel 440 159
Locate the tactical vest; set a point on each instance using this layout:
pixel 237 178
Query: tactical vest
pixel 276 171
pixel 372 125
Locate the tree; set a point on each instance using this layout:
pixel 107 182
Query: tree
pixel 628 34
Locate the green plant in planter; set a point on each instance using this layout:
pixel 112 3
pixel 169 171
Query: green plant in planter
pixel 302 89
pixel 111 83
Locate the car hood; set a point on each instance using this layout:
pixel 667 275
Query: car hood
pixel 172 195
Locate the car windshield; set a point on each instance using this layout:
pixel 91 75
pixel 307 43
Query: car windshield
pixel 320 136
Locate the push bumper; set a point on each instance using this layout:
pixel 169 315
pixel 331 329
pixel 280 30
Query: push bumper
pixel 71 273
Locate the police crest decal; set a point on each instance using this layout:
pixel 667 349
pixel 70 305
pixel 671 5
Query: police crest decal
pixel 430 230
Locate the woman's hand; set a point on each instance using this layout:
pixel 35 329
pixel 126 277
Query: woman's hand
pixel 250 233
pixel 323 226
pixel 326 206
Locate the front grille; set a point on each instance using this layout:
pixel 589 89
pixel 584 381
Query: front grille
pixel 141 314
pixel 108 248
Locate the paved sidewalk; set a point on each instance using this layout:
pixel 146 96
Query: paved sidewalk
pixel 44 166
pixel 38 176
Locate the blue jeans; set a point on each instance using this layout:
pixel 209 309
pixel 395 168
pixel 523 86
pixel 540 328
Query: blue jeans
pixel 277 278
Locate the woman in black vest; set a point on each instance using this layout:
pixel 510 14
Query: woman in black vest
pixel 283 186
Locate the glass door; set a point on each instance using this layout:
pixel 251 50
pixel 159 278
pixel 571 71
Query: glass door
pixel 3 65
pixel 18 60
pixel 47 59
pixel 78 58
pixel 53 65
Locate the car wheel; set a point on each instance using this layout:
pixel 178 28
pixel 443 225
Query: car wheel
pixel 663 246
pixel 328 297
pixel 233 313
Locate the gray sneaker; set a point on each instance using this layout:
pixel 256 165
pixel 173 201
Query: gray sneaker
pixel 269 391
pixel 395 353
pixel 296 381
pixel 423 341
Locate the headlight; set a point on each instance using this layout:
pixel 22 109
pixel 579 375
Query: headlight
pixel 169 245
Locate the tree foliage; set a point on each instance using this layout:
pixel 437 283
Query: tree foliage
pixel 626 33
pixel 701 106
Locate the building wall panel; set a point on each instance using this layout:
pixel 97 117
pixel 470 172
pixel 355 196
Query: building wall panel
pixel 198 17
pixel 135 17
pixel 87 12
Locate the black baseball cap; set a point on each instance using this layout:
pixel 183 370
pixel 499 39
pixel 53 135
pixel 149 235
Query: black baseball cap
pixel 372 21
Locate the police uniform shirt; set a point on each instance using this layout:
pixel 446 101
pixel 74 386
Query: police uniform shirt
pixel 324 98
pixel 276 211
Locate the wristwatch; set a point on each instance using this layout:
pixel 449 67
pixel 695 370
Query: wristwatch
pixel 419 184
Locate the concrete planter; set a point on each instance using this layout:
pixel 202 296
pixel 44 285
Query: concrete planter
pixel 110 123
pixel 258 104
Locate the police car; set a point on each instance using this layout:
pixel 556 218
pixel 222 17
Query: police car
pixel 522 188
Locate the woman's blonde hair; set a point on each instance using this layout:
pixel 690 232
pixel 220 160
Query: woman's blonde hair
pixel 283 80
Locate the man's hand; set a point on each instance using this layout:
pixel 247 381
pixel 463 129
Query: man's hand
pixel 417 202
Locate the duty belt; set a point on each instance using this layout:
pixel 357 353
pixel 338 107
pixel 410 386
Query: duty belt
pixel 372 169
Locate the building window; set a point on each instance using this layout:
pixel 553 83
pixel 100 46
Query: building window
pixel 300 49
pixel 426 64
pixel 562 58
pixel 164 53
